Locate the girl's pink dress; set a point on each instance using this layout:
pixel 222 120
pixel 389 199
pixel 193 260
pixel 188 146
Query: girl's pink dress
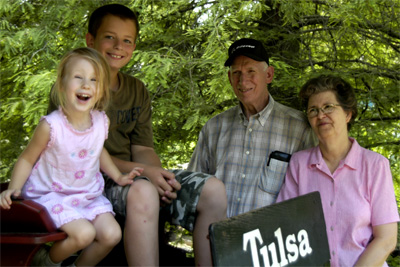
pixel 67 179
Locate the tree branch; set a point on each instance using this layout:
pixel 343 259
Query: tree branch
pixel 383 144
pixel 384 72
pixel 379 27
pixel 397 118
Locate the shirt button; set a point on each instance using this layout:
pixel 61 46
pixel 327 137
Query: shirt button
pixel 333 253
pixel 250 130
pixel 243 175
pixel 331 203
pixel 247 152
pixel 331 228
pixel 238 200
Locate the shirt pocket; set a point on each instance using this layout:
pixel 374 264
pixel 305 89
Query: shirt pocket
pixel 272 176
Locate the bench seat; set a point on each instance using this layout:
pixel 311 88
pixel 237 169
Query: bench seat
pixel 24 228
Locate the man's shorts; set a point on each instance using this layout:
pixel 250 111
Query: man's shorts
pixel 182 210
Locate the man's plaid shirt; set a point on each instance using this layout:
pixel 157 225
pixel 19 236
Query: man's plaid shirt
pixel 236 151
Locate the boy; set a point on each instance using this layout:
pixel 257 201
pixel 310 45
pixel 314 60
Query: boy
pixel 194 200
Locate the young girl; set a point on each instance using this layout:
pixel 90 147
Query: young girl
pixel 60 167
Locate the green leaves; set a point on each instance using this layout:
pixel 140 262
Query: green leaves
pixel 180 54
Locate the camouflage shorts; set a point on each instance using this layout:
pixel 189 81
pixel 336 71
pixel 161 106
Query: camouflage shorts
pixel 117 194
pixel 182 210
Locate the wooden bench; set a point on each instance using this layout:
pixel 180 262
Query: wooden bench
pixel 24 228
pixel 27 225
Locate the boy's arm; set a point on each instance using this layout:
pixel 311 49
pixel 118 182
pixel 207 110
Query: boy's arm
pixel 146 158
pixel 107 165
pixel 165 181
pixel 145 155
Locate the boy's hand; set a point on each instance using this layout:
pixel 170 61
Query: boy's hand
pixel 170 195
pixel 125 179
pixel 5 197
pixel 164 181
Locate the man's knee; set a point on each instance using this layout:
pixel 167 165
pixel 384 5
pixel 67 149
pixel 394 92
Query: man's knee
pixel 213 187
pixel 213 195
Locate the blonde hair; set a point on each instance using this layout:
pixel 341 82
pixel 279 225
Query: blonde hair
pixel 101 69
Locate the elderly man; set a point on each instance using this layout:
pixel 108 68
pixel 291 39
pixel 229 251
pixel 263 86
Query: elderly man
pixel 248 146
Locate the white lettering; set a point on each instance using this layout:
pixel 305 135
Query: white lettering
pixel 293 252
pixel 288 245
pixel 264 253
pixel 251 237
pixel 272 249
pixel 304 246
pixel 243 46
pixel 278 235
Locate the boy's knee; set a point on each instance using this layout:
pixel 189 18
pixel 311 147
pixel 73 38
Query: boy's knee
pixel 141 189
pixel 142 198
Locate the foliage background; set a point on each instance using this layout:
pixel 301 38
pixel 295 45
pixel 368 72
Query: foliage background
pixel 180 54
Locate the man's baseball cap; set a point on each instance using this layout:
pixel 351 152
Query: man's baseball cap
pixel 247 47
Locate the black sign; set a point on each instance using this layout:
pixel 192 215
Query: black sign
pixel 290 233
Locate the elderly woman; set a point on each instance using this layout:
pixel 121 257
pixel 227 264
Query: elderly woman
pixel 355 184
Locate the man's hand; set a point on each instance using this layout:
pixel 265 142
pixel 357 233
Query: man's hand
pixel 164 181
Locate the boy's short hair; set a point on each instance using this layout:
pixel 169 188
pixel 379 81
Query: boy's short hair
pixel 121 11
pixel 101 69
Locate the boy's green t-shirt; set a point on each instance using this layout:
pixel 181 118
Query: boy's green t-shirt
pixel 130 118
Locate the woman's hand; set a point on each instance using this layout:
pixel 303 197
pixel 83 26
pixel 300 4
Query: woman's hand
pixel 383 243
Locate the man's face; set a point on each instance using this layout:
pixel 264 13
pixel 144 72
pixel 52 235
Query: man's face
pixel 249 79
pixel 115 40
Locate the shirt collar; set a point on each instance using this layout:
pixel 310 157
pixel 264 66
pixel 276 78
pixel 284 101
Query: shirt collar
pixel 350 159
pixel 261 116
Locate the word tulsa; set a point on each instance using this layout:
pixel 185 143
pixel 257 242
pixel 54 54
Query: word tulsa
pixel 292 248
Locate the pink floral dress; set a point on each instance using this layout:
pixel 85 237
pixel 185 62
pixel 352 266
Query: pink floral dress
pixel 67 178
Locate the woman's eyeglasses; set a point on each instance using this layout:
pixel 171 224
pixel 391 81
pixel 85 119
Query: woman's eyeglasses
pixel 326 109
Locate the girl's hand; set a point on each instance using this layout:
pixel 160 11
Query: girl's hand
pixel 125 179
pixel 5 197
